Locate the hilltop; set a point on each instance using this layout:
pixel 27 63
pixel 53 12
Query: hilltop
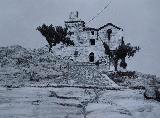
pixel 20 66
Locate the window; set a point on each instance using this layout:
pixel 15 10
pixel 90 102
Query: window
pixel 71 33
pixel 92 32
pixel 76 53
pixel 92 41
pixel 109 31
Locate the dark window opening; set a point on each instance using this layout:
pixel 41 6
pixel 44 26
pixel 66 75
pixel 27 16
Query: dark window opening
pixel 76 53
pixel 71 33
pixel 91 57
pixel 109 31
pixel 81 42
pixel 92 41
pixel 92 32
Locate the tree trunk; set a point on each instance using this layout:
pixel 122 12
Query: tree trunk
pixel 123 63
pixel 115 65
pixel 50 47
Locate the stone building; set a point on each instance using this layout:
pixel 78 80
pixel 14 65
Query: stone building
pixel 89 41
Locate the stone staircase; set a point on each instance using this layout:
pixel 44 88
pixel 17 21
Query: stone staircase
pixel 88 74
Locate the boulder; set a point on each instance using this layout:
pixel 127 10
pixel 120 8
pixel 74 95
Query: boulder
pixel 150 92
pixel 158 94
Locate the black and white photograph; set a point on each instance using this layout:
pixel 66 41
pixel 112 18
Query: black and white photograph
pixel 79 59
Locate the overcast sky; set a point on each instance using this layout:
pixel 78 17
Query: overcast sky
pixel 140 20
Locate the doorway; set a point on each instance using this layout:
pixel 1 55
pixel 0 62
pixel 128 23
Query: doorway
pixel 91 57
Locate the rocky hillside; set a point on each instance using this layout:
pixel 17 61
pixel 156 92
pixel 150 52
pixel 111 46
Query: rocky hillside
pixel 134 79
pixel 20 67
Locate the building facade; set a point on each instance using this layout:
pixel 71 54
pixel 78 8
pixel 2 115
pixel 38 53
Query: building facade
pixel 89 41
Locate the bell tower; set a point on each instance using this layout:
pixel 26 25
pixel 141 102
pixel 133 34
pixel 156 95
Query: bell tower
pixel 74 16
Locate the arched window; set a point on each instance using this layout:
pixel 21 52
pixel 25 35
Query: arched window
pixel 91 57
pixel 109 32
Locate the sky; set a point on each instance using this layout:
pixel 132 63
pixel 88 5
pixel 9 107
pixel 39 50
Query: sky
pixel 140 20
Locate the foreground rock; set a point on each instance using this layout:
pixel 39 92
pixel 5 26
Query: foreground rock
pixel 31 102
pixel 152 93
